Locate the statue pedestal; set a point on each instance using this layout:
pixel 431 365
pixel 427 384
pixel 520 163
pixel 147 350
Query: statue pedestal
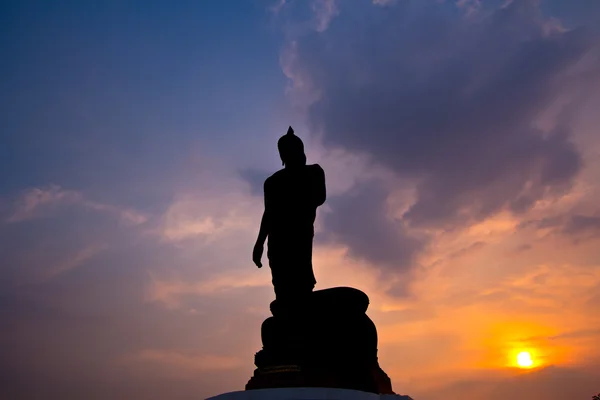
pixel 325 340
pixel 306 394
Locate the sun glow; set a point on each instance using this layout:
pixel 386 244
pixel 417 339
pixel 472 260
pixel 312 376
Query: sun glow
pixel 524 359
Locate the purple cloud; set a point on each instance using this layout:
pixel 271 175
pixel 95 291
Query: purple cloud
pixel 449 102
pixel 445 100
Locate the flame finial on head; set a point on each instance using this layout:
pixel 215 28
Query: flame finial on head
pixel 291 148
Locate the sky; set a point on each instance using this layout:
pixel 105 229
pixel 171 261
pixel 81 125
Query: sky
pixel 460 144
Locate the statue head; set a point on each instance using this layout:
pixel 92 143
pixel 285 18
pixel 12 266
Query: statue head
pixel 291 149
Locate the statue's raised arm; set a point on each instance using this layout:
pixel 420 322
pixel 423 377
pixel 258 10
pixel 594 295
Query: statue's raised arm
pixel 320 192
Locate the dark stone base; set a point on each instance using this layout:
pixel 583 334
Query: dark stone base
pixel 373 379
pixel 325 340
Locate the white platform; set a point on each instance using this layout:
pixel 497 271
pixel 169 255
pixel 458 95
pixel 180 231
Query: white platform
pixel 306 394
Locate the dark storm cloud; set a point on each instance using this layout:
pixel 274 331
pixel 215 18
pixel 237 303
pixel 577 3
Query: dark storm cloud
pixel 449 101
pixel 360 220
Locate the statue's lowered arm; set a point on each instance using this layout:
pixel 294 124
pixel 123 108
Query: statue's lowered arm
pixel 262 233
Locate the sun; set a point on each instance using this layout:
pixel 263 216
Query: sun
pixel 524 359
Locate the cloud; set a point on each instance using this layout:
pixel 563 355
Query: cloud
pixel 62 230
pixel 44 202
pixel 551 383
pixel 447 102
pixel 467 250
pixel 75 260
pixel 383 2
pixel 256 179
pixel 321 12
pixel 176 313
pixel 276 7
pixel 343 170
pixel 85 322
pixel 210 215
pixel 579 334
pixel 578 227
pixel 371 234
pixel 180 364
pixel 324 12
pixel 36 202
pixel 582 224
pixel 353 180
pixel 170 292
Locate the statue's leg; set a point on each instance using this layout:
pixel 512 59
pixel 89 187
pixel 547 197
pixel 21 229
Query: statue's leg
pixel 291 269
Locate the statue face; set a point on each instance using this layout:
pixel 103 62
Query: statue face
pixel 291 148
pixel 292 158
pixel 293 153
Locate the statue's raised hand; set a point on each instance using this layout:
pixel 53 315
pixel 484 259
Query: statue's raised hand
pixel 257 254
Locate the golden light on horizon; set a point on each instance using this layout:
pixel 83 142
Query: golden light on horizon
pixel 524 359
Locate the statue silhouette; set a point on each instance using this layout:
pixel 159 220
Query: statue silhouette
pixel 321 338
pixel 292 196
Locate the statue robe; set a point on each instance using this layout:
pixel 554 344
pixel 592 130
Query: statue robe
pixel 292 196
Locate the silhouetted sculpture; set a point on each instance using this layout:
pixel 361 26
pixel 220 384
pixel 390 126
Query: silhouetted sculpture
pixel 314 339
pixel 292 196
